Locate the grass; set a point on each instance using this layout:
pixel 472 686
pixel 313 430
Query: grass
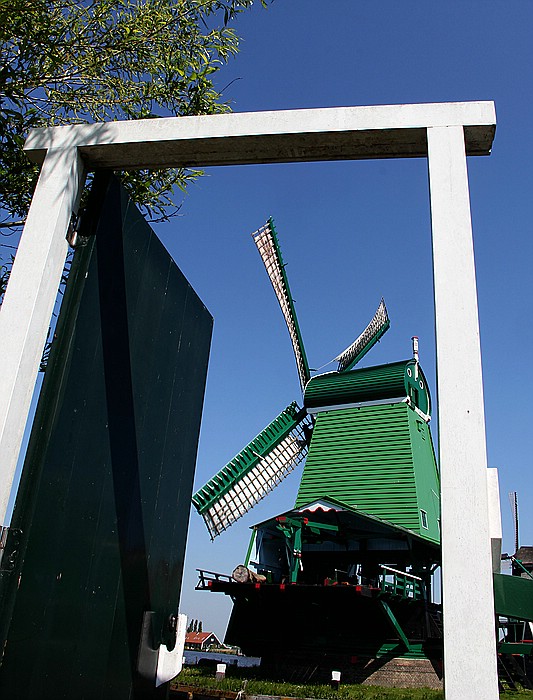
pixel 248 680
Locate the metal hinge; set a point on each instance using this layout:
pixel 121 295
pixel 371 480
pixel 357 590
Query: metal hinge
pixel 74 238
pixel 9 547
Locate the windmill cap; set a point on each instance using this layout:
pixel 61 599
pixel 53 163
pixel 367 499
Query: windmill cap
pixel 395 381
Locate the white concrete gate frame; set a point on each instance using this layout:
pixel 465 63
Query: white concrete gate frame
pixel 444 133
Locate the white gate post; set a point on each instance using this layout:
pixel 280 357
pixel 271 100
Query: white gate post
pixel 29 300
pixel 470 671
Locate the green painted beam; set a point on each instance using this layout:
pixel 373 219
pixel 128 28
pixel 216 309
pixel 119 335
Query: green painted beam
pixel 523 648
pixel 395 624
pixel 250 547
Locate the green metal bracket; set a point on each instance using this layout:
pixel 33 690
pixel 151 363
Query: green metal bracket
pixel 321 526
pixel 303 521
pixel 396 625
pixel 317 528
pixel 296 563
pixel 250 547
pixel 292 530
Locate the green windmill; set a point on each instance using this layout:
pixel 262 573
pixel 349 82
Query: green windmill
pixel 360 545
pixel 366 431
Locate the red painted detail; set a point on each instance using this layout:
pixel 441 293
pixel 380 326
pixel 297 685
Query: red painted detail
pixel 359 588
pixel 209 584
pixel 281 586
pixel 258 585
pixel 281 519
pixel 306 520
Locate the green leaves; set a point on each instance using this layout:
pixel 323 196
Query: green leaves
pixel 67 61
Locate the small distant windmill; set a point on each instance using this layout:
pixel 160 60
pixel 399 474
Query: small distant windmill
pixel 513 502
pixel 275 452
pixel 522 559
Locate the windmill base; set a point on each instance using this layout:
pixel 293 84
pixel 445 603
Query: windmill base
pixel 303 632
pixel 384 671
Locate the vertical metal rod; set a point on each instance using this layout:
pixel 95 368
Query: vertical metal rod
pixel 516 535
pixel 415 354
pixel 29 300
pixel 468 602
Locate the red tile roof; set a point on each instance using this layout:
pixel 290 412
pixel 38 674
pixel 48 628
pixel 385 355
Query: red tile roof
pixel 198 637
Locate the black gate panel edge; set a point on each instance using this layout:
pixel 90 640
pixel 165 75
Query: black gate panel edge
pixel 104 498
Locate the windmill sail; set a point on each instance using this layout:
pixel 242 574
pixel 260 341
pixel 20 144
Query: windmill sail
pixel 267 244
pixel 368 338
pixel 255 471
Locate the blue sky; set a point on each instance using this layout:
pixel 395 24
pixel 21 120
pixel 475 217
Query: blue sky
pixel 353 231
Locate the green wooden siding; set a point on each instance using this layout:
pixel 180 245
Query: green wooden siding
pixel 427 478
pixel 373 458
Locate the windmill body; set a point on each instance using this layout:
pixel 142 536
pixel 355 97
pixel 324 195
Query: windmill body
pixel 349 567
pixel 371 446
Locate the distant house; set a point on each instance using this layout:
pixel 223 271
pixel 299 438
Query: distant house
pixel 200 641
pixel 525 557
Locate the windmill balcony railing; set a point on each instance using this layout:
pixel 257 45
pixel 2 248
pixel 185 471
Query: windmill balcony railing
pixel 401 584
pixel 206 579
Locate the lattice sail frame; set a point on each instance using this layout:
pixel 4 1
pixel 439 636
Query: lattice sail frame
pixel 266 241
pixel 252 488
pixel 255 471
pixel 379 324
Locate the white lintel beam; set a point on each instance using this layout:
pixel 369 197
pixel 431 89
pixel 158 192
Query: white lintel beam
pixel 336 133
pixel 468 601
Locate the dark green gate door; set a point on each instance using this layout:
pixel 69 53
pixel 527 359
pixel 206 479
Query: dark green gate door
pixel 104 499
